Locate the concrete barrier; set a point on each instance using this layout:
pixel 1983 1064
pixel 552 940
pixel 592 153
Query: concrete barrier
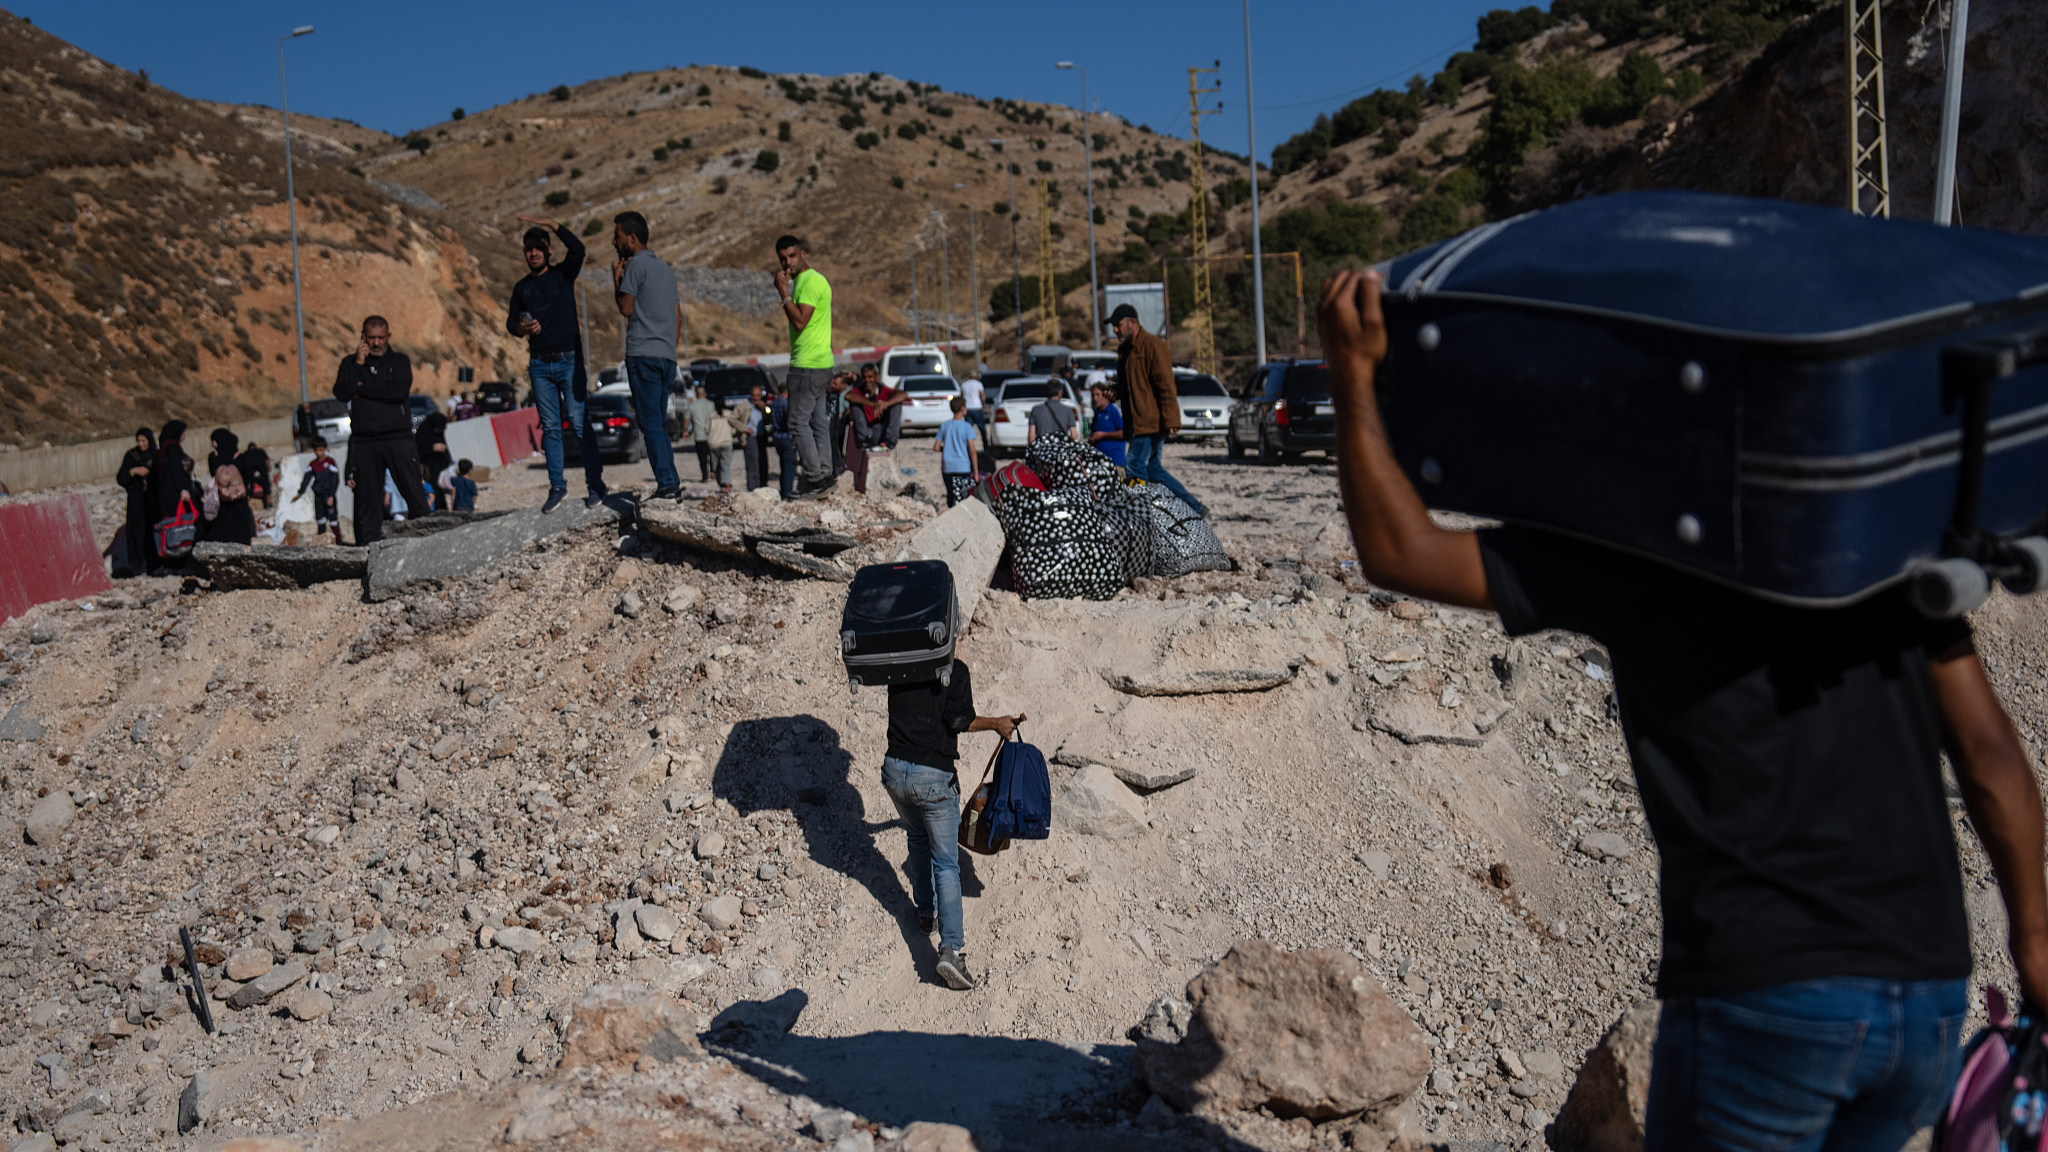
pixel 47 552
pixel 475 440
pixel 35 469
pixel 518 434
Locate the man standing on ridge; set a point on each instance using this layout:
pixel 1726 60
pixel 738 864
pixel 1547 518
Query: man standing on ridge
pixel 374 383
pixel 807 303
pixel 646 292
pixel 1151 408
pixel 543 309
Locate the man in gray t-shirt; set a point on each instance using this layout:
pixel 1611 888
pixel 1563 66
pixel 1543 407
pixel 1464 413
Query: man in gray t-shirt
pixel 647 298
pixel 1053 418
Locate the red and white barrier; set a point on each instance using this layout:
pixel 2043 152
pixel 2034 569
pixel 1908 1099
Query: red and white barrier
pixel 518 434
pixel 47 552
pixel 474 440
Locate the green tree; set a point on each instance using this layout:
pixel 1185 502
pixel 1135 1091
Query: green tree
pixel 557 199
pixel 767 161
pixel 1530 106
pixel 559 91
pixel 457 114
pixel 1326 232
pixel 782 131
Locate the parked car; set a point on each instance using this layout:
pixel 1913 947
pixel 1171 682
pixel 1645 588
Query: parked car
pixel 1010 416
pixel 729 387
pixel 327 418
pixel 913 360
pixel 1285 411
pixel 495 396
pixel 1086 362
pixel 992 382
pixel 419 408
pixel 1205 405
pixel 610 416
pixel 1046 359
pixel 930 402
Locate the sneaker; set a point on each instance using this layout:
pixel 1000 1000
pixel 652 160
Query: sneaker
pixel 667 494
pixel 928 924
pixel 555 497
pixel 594 499
pixel 953 970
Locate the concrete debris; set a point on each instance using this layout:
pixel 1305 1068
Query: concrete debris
pixel 767 534
pixel 1604 1112
pixel 1197 683
pixel 234 567
pixel 1413 718
pixel 1143 776
pixel 970 540
pixel 1093 802
pixel 261 989
pixel 797 560
pixel 613 1025
pixel 1308 1033
pixel 434 523
pixel 398 566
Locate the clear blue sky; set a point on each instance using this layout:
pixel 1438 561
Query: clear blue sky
pixel 400 66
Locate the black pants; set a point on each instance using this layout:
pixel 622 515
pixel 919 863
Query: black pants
pixel 368 461
pixel 703 460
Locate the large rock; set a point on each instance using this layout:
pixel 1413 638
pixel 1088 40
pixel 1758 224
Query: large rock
pixel 720 912
pixel 198 1103
pixel 702 530
pixel 237 566
pixel 50 817
pixel 397 566
pixel 1094 802
pixel 262 988
pixel 613 1025
pixel 246 964
pixel 1307 1033
pixel 970 541
pixel 1604 1112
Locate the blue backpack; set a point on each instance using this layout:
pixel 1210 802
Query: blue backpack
pixel 1016 806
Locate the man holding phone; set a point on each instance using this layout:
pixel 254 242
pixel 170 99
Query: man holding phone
pixel 807 305
pixel 543 309
pixel 646 292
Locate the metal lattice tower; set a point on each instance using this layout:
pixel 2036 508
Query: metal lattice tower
pixel 1870 186
pixel 1048 303
pixel 1204 314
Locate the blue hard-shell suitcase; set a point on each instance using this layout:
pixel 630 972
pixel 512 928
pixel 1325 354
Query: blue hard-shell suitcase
pixel 1802 402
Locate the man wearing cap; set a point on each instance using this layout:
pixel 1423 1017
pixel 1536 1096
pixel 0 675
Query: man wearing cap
pixel 543 309
pixel 1151 407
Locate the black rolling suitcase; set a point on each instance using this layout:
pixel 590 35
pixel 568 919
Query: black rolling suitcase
pixel 900 624
pixel 1801 402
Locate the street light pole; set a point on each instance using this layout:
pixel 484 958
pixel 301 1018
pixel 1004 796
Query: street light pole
pixel 291 204
pixel 1016 260
pixel 1951 115
pixel 1252 151
pixel 945 274
pixel 1088 181
pixel 973 283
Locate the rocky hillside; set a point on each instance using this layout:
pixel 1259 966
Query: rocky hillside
pixel 145 269
pixel 723 160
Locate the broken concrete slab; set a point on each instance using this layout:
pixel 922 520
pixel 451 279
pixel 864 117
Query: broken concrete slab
pixel 1163 682
pixel 399 566
pixel 434 522
pixel 783 543
pixel 234 567
pixel 694 529
pixel 970 540
pixel 798 560
pixel 1413 718
pixel 1148 777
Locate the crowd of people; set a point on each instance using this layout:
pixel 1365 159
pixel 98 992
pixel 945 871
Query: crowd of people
pixel 165 483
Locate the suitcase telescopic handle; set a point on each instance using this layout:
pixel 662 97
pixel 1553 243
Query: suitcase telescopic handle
pixel 1971 557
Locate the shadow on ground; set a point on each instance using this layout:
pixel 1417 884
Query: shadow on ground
pixel 797 763
pixel 1038 1095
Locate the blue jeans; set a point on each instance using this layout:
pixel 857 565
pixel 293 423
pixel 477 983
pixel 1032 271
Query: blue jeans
pixel 556 395
pixel 928 800
pixel 651 377
pixel 1144 460
pixel 1845 1064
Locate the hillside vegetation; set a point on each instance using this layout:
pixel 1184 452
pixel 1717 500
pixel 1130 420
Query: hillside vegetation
pixel 144 262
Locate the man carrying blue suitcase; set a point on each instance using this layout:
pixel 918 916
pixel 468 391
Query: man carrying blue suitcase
pixel 1816 947
pixel 918 771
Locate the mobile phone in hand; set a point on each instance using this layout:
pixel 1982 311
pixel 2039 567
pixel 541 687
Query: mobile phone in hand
pixel 525 318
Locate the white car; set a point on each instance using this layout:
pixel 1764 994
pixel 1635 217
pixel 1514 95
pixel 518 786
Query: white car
pixel 1204 405
pixel 1009 422
pixel 1086 362
pixel 913 360
pixel 930 401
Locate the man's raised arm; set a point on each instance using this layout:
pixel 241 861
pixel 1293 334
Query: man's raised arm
pixel 1399 547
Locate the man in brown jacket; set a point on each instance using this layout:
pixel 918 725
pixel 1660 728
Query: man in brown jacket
pixel 1144 371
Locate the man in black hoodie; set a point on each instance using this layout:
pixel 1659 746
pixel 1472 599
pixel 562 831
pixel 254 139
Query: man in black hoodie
pixel 543 309
pixel 374 384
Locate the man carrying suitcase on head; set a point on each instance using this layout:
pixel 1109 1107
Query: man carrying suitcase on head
pixel 1816 948
pixel 925 723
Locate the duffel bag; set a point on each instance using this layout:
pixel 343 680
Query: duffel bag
pixel 175 534
pixel 1182 542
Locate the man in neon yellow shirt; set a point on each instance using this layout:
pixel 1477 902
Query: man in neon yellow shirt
pixel 807 302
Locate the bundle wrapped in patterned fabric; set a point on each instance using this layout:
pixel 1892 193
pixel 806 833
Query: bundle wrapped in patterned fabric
pixel 1182 542
pixel 1066 543
pixel 1070 464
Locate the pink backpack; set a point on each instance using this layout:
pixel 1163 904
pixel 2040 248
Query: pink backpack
pixel 2000 1102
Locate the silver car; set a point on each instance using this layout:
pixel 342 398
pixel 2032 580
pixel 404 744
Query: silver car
pixel 1204 405
pixel 930 400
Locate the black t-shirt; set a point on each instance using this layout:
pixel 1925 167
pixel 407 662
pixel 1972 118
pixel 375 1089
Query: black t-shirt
pixel 1789 761
pixel 926 720
pixel 551 297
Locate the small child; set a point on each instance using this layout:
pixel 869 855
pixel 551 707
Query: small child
pixel 465 488
pixel 323 475
pixel 958 448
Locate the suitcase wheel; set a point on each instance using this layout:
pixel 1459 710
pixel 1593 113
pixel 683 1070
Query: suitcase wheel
pixel 946 676
pixel 2031 554
pixel 1945 589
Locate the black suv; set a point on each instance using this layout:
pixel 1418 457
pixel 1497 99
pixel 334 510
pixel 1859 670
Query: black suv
pixel 1285 411
pixel 729 387
pixel 495 396
pixel 610 416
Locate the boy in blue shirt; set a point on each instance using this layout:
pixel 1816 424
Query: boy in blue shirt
pixel 958 447
pixel 1107 431
pixel 465 488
